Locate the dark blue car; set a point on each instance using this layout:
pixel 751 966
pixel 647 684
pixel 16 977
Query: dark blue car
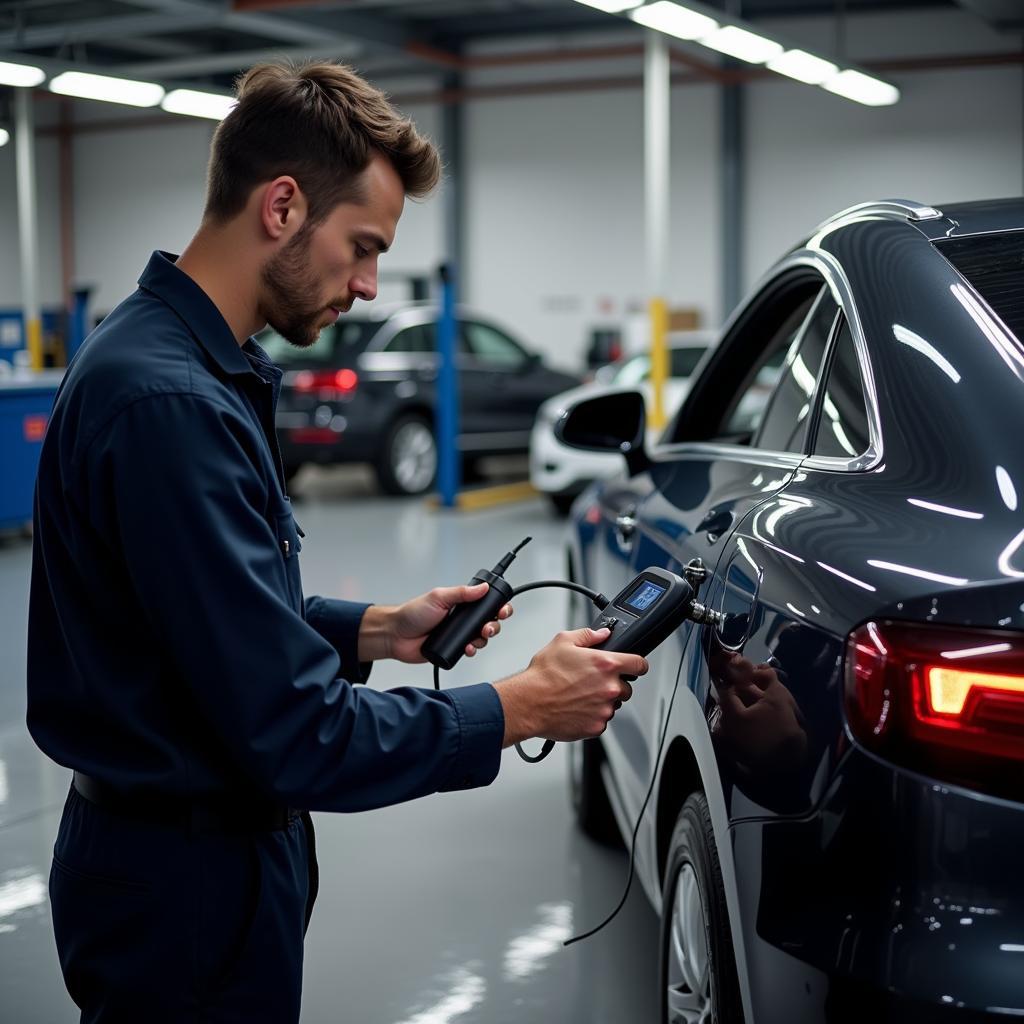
pixel 835 830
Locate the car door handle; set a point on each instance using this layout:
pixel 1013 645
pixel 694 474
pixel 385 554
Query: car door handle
pixel 715 523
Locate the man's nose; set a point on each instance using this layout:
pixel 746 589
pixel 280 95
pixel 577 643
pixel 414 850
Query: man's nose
pixel 364 285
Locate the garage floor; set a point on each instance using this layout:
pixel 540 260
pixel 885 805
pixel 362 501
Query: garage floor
pixel 451 908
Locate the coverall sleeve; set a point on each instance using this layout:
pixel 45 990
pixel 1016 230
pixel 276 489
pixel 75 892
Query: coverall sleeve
pixel 176 489
pixel 338 623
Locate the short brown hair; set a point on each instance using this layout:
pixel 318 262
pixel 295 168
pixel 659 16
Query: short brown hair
pixel 319 122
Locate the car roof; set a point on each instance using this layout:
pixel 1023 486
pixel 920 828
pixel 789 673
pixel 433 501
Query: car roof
pixel 950 220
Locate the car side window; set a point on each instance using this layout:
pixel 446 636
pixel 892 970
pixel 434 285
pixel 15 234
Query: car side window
pixel 418 338
pixel 749 406
pixel 491 346
pixel 843 425
pixel 784 426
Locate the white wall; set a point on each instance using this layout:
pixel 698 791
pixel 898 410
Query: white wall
pixel 555 211
pixel 553 190
pixel 48 227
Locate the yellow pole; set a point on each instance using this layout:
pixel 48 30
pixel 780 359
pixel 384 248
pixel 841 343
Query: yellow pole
pixel 659 359
pixel 34 342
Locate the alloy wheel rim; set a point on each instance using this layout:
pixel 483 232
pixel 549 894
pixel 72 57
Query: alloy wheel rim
pixel 689 964
pixel 414 457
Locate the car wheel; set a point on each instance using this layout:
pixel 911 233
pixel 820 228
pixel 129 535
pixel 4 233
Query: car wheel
pixel 408 459
pixel 588 795
pixel 698 971
pixel 561 503
pixel 291 471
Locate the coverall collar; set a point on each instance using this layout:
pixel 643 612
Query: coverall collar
pixel 165 280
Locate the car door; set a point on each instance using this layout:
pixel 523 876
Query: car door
pixel 505 385
pixel 774 666
pixel 687 504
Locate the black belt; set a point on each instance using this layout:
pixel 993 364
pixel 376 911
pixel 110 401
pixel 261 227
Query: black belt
pixel 241 815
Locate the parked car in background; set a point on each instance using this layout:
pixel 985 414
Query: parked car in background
pixel 561 472
pixel 836 768
pixel 366 392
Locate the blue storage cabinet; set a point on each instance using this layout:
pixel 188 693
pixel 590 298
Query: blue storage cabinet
pixel 25 404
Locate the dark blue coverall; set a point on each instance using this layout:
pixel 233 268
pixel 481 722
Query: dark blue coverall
pixel 175 666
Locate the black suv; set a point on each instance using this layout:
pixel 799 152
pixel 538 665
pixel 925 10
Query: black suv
pixel 365 392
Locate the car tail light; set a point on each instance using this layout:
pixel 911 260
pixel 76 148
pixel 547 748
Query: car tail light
pixel 946 701
pixel 338 382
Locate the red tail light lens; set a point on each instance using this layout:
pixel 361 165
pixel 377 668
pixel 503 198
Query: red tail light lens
pixel 336 382
pixel 949 702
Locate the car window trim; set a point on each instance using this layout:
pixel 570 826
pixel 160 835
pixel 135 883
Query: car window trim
pixel 832 462
pixel 835 279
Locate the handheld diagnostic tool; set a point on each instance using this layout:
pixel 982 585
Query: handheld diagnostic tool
pixel 645 612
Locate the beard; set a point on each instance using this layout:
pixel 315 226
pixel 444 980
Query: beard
pixel 291 303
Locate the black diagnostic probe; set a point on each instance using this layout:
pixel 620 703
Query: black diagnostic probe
pixel 447 642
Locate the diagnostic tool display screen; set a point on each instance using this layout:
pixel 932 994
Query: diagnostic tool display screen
pixel 645 595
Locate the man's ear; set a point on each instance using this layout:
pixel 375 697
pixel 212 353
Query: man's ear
pixel 282 208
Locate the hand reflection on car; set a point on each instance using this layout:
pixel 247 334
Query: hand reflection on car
pixel 758 719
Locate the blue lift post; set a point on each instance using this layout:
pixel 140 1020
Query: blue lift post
pixel 448 470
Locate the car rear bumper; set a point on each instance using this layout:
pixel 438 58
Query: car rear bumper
pixel 901 899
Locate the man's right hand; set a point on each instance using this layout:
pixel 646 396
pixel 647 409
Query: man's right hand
pixel 569 691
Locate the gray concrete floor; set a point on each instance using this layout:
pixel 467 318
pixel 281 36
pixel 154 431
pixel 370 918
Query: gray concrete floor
pixel 448 909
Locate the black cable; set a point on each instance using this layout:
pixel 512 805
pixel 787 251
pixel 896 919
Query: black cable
pixel 636 828
pixel 602 602
pixel 599 599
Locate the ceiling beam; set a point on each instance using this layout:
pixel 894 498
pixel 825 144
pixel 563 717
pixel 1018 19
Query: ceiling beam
pixel 235 60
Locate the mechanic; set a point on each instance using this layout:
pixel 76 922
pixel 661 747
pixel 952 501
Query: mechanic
pixel 204 705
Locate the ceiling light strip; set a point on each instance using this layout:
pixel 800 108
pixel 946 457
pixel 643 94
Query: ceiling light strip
pixel 694 22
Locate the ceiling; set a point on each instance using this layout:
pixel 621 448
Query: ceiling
pixel 209 41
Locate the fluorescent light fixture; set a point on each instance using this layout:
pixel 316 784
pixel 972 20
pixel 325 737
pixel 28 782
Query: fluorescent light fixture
pixel 5 136
pixel 198 104
pixel 103 87
pixel 861 88
pixel 21 75
pixel 674 20
pixel 611 6
pixel 804 67
pixel 738 42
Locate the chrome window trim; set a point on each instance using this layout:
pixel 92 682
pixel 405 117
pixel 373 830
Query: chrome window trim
pixel 729 452
pixel 835 278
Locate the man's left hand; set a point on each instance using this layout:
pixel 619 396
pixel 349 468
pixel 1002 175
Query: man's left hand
pixel 398 632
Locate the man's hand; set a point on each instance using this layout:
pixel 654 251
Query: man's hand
pixel 399 631
pixel 568 691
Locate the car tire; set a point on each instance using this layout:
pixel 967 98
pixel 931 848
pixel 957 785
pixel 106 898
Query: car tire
pixel 588 795
pixel 698 970
pixel 291 471
pixel 407 463
pixel 561 503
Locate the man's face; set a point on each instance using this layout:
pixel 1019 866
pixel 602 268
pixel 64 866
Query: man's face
pixel 322 270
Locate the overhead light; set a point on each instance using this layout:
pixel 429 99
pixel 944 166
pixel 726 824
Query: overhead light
pixel 5 136
pixel 804 67
pixel 198 104
pixel 674 20
pixel 611 6
pixel 855 85
pixel 738 42
pixel 103 87
pixel 21 75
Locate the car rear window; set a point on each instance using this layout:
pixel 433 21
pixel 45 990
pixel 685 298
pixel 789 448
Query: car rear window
pixel 994 266
pixel 336 344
